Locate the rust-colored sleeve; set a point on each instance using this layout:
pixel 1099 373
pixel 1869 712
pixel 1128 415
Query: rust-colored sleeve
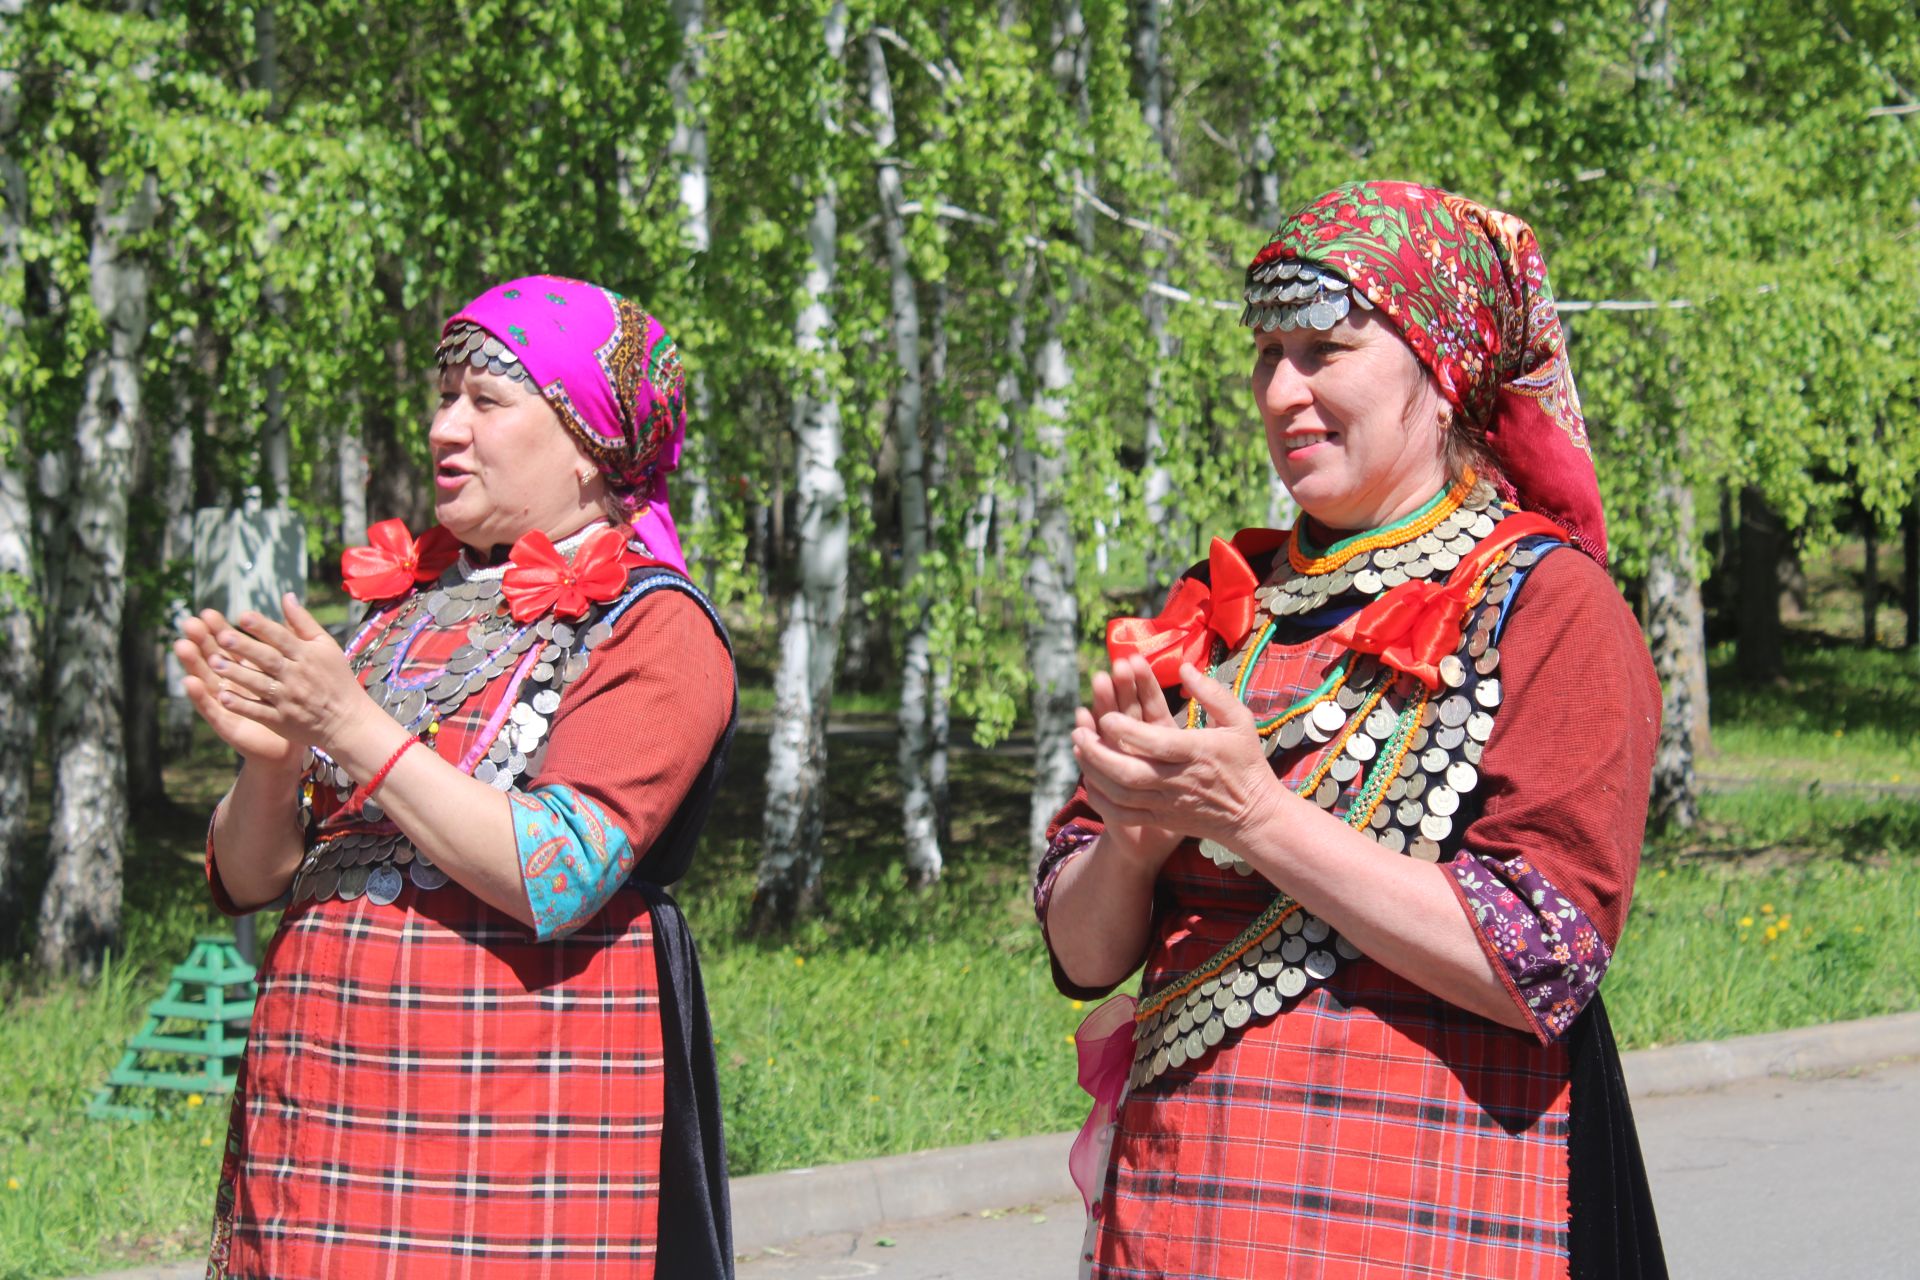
pixel 1568 766
pixel 634 731
pixel 1545 874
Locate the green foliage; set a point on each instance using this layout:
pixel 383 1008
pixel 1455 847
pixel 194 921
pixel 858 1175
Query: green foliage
pixel 323 210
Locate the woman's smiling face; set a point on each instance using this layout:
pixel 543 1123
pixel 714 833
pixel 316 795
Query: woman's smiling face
pixel 1353 420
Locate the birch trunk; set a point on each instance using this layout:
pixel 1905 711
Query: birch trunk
pixel 276 440
pixel 142 684
pixel 1676 620
pixel 940 696
pixel 1676 628
pixel 19 652
pixel 176 545
pixel 919 824
pixel 1053 618
pixel 1053 627
pixel 80 910
pixel 789 880
pixel 1157 485
pixel 688 147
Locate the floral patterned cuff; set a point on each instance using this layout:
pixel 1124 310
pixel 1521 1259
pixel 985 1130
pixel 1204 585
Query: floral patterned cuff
pixel 572 857
pixel 1545 949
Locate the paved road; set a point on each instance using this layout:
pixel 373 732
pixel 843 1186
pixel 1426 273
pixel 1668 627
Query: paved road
pixel 1802 1179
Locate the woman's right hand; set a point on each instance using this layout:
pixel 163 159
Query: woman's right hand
pixel 258 744
pixel 1130 690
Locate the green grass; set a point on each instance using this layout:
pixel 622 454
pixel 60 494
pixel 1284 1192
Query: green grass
pixel 1841 714
pixel 907 1020
pixel 1789 910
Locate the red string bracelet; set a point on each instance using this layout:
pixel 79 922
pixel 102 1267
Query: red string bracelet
pixel 366 792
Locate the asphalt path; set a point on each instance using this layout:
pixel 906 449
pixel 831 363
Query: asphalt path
pixel 1799 1179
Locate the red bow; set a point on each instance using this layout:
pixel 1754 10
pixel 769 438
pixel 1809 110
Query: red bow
pixel 539 579
pixel 1418 623
pixel 395 561
pixel 1196 613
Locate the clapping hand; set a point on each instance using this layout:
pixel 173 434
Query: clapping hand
pixel 1147 775
pixel 269 689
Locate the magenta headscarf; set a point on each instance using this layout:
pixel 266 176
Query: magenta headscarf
pixel 612 375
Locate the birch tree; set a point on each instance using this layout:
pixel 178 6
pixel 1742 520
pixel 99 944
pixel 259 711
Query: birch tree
pixel 920 827
pixel 1157 484
pixel 80 908
pixel 19 650
pixel 789 878
pixel 1053 620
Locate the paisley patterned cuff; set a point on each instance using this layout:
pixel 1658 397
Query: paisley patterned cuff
pixel 1547 950
pixel 572 857
pixel 1066 842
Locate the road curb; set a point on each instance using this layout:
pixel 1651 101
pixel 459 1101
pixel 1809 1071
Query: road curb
pixel 774 1209
pixel 1710 1064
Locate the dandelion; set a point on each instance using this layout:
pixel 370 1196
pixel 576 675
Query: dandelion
pixel 873 1097
pixel 1859 928
pixel 1766 908
pixel 799 962
pixel 13 1184
pixel 769 1061
pixel 1079 1004
pixel 1746 922
pixel 195 1100
pixel 1068 1037
pixel 205 1140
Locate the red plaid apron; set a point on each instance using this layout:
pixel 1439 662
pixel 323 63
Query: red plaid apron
pixel 427 1091
pixel 1372 1130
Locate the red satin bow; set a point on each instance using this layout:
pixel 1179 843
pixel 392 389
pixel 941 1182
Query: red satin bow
pixel 394 561
pixel 1418 623
pixel 539 579
pixel 1196 613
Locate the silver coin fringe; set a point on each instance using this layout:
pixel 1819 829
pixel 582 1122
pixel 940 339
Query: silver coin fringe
pixel 1290 294
pixel 1425 808
pixel 372 861
pixel 469 344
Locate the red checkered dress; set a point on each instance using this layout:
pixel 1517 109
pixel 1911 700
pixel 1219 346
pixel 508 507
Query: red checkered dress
pixel 1372 1130
pixel 428 1090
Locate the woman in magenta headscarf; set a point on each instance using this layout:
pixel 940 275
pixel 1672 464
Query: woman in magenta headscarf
pixel 1376 867
pixel 480 1045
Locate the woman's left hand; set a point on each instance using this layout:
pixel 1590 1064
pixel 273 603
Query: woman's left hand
pixel 292 677
pixel 1212 783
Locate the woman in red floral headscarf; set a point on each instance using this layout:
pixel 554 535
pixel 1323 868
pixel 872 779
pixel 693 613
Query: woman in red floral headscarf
pixel 1366 800
pixel 480 1045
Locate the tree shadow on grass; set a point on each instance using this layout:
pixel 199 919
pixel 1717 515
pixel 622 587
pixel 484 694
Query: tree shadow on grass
pixel 1826 687
pixel 1766 827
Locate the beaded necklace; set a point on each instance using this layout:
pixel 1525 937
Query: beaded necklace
pixel 1426 542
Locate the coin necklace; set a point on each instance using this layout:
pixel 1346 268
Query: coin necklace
pixel 1429 541
pixel 1414 770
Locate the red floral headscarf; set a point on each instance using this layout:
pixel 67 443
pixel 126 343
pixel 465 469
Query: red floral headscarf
pixel 1466 286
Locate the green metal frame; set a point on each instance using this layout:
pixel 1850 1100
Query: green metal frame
pixel 214 991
